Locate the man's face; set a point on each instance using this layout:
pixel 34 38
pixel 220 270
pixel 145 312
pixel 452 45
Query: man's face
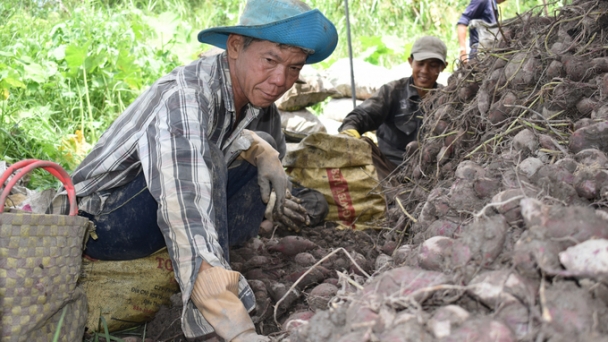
pixel 263 71
pixel 426 72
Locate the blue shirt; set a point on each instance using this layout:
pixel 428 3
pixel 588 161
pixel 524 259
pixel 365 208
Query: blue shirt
pixel 478 9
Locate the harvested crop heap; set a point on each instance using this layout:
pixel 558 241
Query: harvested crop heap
pixel 502 203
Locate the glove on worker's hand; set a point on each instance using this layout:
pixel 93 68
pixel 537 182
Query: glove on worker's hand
pixel 351 133
pixel 270 170
pixel 215 294
pixel 292 217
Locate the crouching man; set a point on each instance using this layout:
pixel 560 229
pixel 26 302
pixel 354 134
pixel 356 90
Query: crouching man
pixel 164 173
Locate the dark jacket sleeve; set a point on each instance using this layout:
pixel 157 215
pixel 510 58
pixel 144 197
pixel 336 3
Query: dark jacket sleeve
pixel 473 11
pixel 371 113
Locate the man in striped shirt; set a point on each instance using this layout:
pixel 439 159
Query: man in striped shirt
pixel 166 171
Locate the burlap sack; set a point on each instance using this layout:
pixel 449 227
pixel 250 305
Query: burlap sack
pixel 341 168
pixel 127 293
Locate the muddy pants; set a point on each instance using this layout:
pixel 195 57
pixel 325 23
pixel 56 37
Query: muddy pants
pixel 127 227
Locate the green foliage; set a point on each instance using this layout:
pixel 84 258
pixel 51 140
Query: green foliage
pixel 69 68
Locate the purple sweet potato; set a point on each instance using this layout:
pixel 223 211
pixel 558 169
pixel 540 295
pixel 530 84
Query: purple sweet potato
pixel 485 187
pixel 566 224
pixel 292 245
pixel 316 275
pixel 585 106
pixel 485 237
pixel 555 69
pixel 525 141
pixel 592 158
pixel 587 258
pixel 469 170
pixel 600 63
pixel 443 228
pixel 594 136
pixel 435 254
pixel 320 296
pixel 532 252
pixel 522 70
pixel 296 319
pixel 279 290
pixel 481 329
pixel 500 110
pixel 405 281
pixel 257 261
pixel 571 309
pixel 305 259
pixel 446 319
pixel 517 317
pixel 496 288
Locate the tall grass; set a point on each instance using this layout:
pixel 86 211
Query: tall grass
pixel 69 68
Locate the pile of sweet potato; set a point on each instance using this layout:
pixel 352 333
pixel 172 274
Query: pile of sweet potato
pixel 501 220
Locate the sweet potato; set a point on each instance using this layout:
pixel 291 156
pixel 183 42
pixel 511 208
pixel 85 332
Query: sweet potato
pixel 257 261
pixel 500 110
pixel 600 113
pixel 589 258
pixel 585 106
pixel 521 70
pixel 467 91
pixel 558 222
pixel 555 70
pixel 296 319
pixel 363 263
pixel 532 252
pixel 600 63
pixel 443 228
pixel 305 259
pixel 592 157
pixel 593 136
pixel 292 245
pixel 571 309
pixel 389 247
pixel 485 237
pixel 576 69
pixel 405 281
pixel 446 319
pixel 469 170
pixel 481 329
pixel 517 317
pixel 496 288
pixel 278 291
pixel 315 276
pixel 435 254
pixel 529 166
pixel 525 141
pixel 401 254
pixel 383 262
pixel 320 296
pixel 485 187
pixel 406 331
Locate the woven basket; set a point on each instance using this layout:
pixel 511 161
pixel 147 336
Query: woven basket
pixel 40 260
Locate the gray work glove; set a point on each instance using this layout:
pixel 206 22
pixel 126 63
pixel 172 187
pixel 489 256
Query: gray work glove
pixel 292 217
pixel 270 170
pixel 250 336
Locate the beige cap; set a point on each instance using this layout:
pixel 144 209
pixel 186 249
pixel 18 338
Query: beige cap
pixel 429 47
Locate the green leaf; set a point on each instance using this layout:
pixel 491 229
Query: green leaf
pixel 75 56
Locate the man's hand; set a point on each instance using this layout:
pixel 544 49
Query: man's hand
pixel 351 133
pixel 270 170
pixel 292 216
pixel 464 57
pixel 215 294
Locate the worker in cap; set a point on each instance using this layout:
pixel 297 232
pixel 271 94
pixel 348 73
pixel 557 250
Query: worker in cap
pixel 394 112
pixel 163 173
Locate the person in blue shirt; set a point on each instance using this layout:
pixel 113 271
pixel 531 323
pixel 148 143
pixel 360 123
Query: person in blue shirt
pixel 477 9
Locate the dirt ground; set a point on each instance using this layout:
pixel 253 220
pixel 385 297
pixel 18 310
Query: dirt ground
pixel 277 267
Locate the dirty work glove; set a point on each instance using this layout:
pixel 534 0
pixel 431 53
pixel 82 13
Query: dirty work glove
pixel 293 216
pixel 270 170
pixel 352 133
pixel 215 294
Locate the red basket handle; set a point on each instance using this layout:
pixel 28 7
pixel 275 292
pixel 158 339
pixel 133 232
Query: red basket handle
pixel 26 166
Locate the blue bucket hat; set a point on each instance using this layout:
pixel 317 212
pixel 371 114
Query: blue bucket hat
pixel 289 22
